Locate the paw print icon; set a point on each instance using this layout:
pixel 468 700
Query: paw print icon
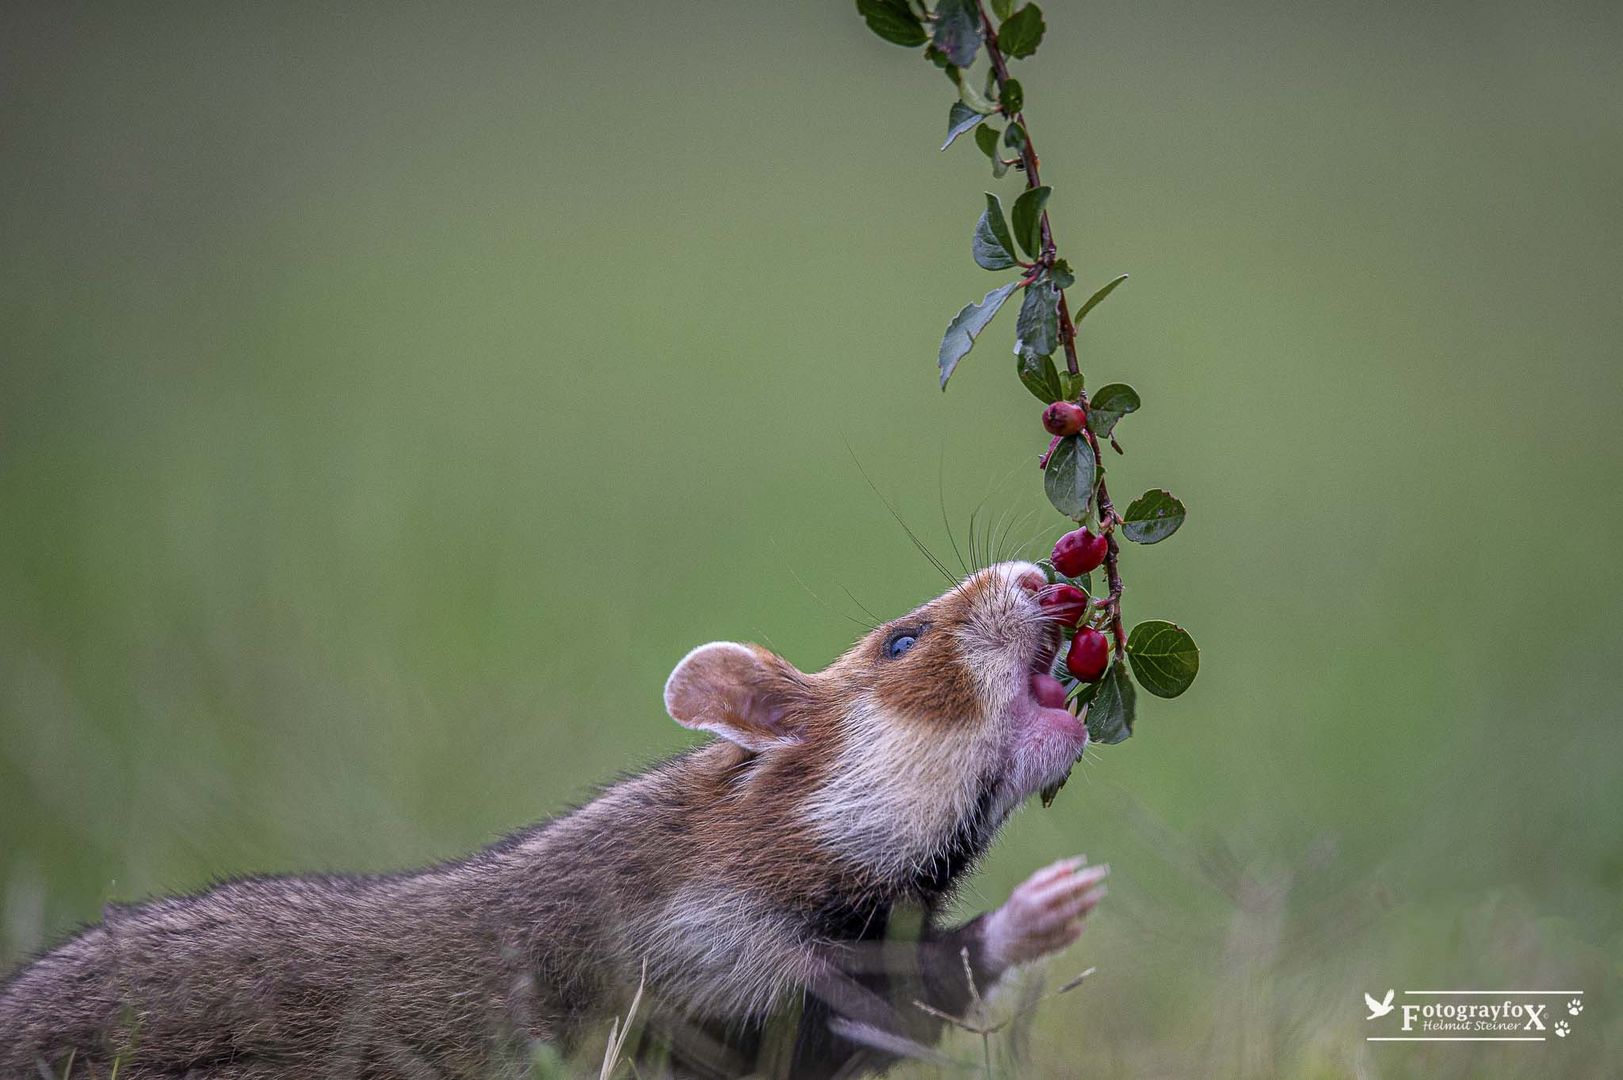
pixel 1575 1006
pixel 1561 1028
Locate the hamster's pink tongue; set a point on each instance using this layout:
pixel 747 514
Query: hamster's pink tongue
pixel 1049 691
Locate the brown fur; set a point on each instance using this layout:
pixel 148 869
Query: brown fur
pixel 718 877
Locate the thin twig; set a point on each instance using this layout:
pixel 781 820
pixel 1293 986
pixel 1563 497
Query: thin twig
pixel 618 1033
pixel 1073 983
pixel 969 973
pixel 963 1022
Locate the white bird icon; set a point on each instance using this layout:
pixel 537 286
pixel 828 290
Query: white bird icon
pixel 1378 1009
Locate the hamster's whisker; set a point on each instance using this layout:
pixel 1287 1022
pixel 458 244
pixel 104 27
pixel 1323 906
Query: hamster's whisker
pixel 1019 547
pixel 876 619
pixel 789 565
pixel 979 563
pixel 1004 552
pixel 993 536
pixel 941 499
pixel 977 552
pixel 1032 538
pixel 986 544
pixel 911 535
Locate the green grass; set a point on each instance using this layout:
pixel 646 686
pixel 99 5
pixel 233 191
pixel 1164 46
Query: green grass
pixel 390 398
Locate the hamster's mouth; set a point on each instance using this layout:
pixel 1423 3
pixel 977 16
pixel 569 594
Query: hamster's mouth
pixel 1047 649
pixel 1047 694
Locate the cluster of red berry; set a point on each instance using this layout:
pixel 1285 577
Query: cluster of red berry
pixel 1077 553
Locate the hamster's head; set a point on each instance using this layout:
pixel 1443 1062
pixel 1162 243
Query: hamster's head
pixel 916 744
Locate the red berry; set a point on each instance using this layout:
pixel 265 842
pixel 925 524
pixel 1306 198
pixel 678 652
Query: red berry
pixel 1079 552
pixel 1064 418
pixel 1089 655
pixel 1065 604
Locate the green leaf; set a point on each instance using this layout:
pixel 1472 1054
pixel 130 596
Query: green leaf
pixel 1070 386
pixel 1046 380
pixel 1069 479
pixel 1165 660
pixel 992 247
pixel 999 168
pixel 1014 137
pixel 1093 301
pixel 970 95
pixel 1111 707
pixel 1154 516
pixel 1110 403
pixel 986 138
pixel 1014 96
pixel 1001 8
pixel 1036 331
pixel 958 30
pixel 960 118
pixel 893 20
pixel 1028 217
pixel 966 326
pixel 1039 375
pixel 1061 274
pixel 1022 32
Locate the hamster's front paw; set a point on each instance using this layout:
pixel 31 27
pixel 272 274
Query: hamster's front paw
pixel 1044 914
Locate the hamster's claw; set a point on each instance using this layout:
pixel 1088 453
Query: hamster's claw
pixel 1044 914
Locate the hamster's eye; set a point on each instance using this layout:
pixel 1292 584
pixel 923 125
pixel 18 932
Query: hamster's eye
pixel 901 641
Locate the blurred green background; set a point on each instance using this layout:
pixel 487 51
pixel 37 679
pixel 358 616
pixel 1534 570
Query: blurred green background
pixel 391 394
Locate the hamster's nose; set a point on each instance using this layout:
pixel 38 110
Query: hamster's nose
pixel 1028 577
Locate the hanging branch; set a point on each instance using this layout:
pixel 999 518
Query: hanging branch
pixel 1163 657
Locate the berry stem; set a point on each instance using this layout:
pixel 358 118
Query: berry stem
pixel 1067 335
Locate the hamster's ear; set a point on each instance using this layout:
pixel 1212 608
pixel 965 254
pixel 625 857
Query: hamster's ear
pixel 740 692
